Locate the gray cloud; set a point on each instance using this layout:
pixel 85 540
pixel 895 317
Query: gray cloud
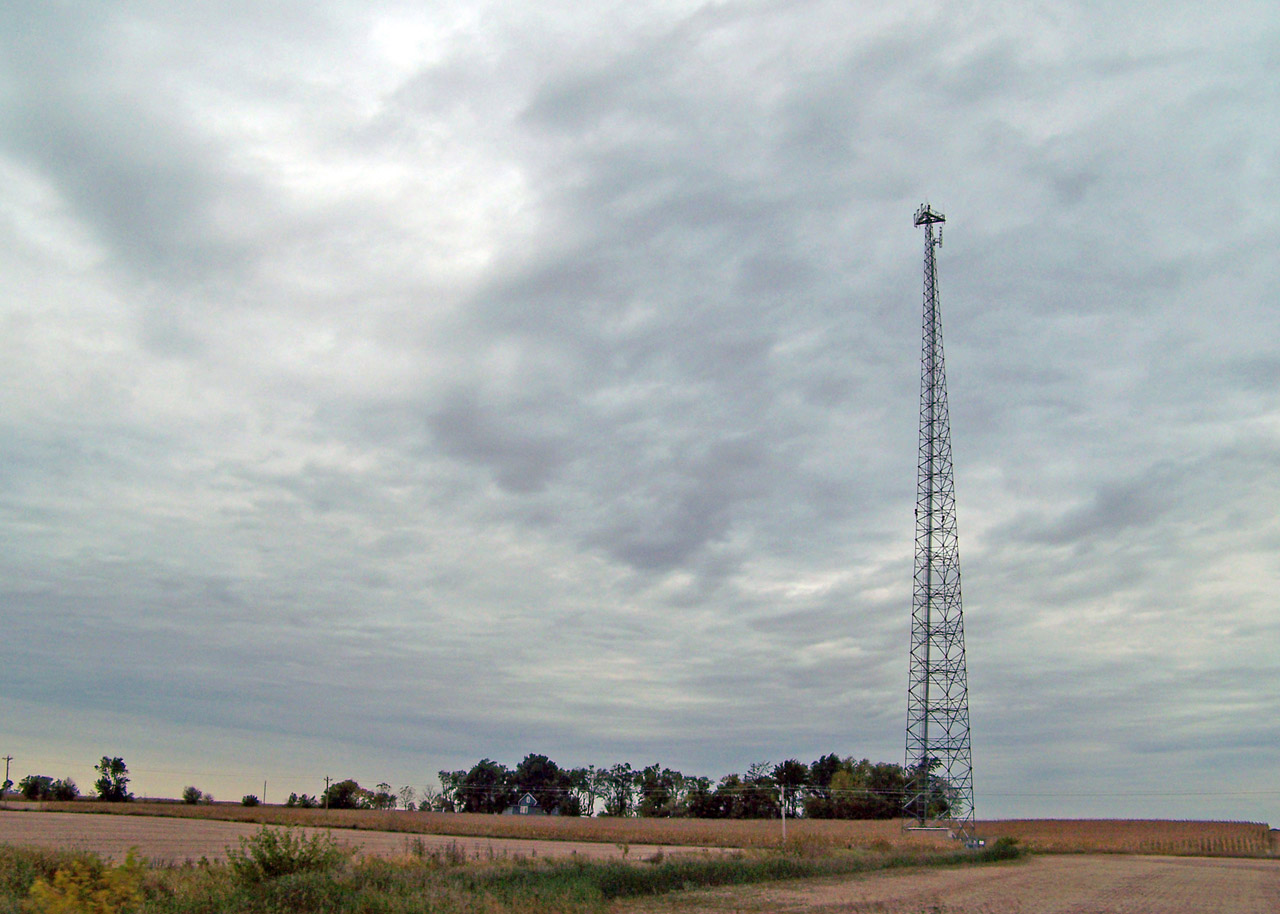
pixel 420 386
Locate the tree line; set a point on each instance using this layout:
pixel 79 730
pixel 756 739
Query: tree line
pixel 830 787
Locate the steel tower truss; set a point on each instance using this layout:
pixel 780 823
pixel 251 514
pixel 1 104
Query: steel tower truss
pixel 938 758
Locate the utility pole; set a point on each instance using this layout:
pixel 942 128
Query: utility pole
pixel 939 763
pixel 326 791
pixel 5 787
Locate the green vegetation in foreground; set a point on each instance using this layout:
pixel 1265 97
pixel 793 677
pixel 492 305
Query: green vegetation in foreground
pixel 279 870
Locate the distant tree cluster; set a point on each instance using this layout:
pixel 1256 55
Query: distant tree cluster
pixel 43 787
pixel 491 787
pixel 348 794
pixel 830 787
pixel 112 784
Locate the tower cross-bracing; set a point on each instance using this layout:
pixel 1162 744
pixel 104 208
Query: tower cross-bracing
pixel 938 758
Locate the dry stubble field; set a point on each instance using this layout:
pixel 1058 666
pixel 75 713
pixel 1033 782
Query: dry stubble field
pixel 1234 839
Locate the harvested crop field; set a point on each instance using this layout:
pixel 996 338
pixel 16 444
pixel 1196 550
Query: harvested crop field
pixel 176 840
pixel 1233 839
pixel 1079 884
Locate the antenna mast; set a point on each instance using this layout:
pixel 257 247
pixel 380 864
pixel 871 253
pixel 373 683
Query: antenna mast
pixel 939 762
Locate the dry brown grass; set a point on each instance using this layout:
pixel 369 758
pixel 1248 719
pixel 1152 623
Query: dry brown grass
pixel 1228 839
pixel 743 833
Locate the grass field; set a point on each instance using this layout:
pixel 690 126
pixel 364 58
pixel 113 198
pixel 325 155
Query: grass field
pixel 1234 839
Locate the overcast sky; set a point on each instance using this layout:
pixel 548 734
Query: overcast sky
pixel 384 386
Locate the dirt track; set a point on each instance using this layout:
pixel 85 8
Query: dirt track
pixel 178 840
pixel 1075 884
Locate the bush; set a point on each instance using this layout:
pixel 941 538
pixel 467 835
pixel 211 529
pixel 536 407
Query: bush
pixel 20 867
pixel 192 795
pixel 85 888
pixel 1005 848
pixel 275 852
pixel 249 800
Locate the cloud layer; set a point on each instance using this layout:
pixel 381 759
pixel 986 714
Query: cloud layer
pixel 386 388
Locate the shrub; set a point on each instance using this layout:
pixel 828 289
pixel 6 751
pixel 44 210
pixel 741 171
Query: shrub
pixel 192 795
pixel 275 852
pixel 1005 848
pixel 249 800
pixel 83 888
pixel 20 867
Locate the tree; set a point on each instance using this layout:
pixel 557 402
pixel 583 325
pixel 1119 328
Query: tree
pixel 583 790
pixel 856 790
pixel 661 792
pixel 550 785
pixel 759 798
pixel 382 797
pixel 619 789
pixel 792 776
pixel 726 802
pixel 700 801
pixel 249 799
pixel 113 783
pixel 35 787
pixel 487 787
pixel 406 795
pixel 450 790
pixel 920 779
pixel 431 799
pixel 346 795
pixel 64 790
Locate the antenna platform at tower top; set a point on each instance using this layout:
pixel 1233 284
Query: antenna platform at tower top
pixel 926 216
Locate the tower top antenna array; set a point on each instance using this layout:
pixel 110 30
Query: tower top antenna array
pixel 926 216
pixel 938 758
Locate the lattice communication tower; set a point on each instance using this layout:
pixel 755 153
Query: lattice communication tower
pixel 938 759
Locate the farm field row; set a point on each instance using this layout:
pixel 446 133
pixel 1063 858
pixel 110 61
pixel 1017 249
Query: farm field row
pixel 1234 839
